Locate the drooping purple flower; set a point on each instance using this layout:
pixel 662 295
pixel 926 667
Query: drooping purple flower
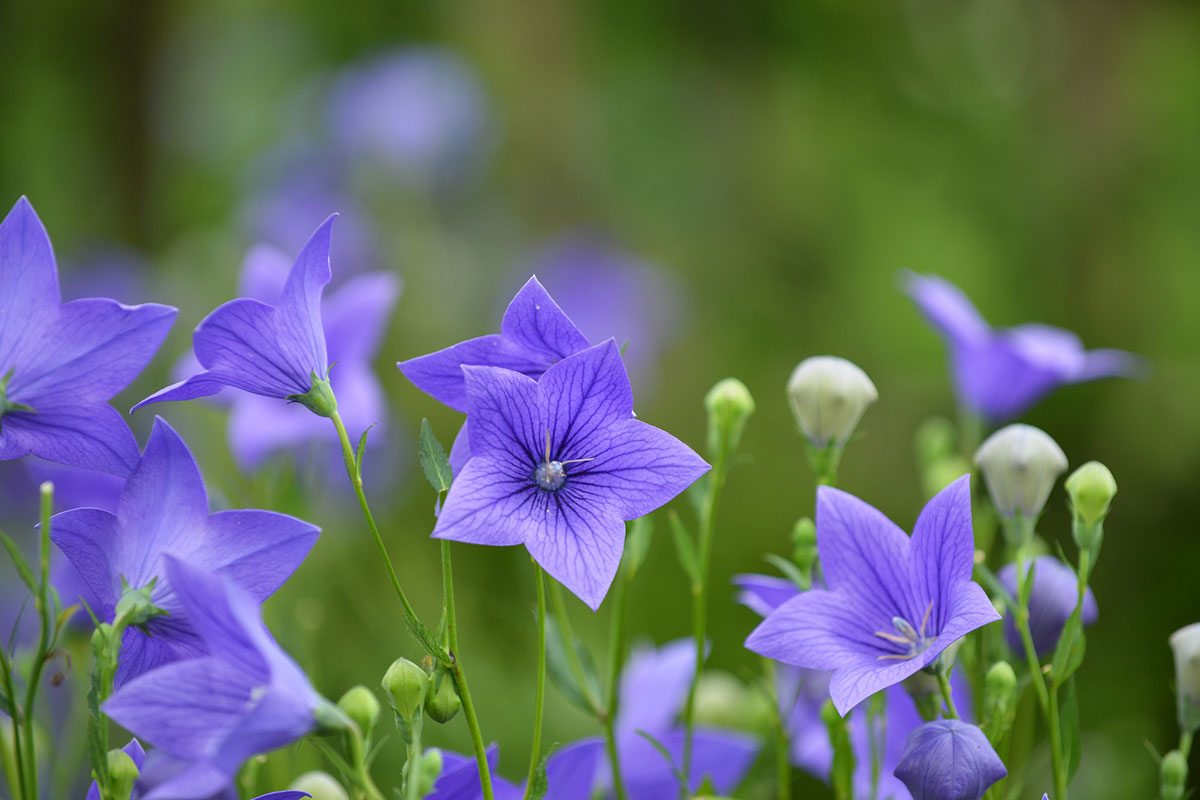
pixel 1051 601
pixel 354 318
pixel 61 362
pixel 652 692
pixel 1001 373
pixel 949 760
pixel 559 464
pixel 892 603
pixel 214 712
pixel 613 293
pixel 417 112
pixel 275 351
pixel 163 512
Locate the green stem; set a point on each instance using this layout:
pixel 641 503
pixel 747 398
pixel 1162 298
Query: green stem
pixel 943 679
pixel 783 764
pixel 45 632
pixel 460 677
pixel 358 759
pixel 708 520
pixel 412 785
pixel 616 659
pixel 1047 701
pixel 14 719
pixel 536 749
pixel 568 637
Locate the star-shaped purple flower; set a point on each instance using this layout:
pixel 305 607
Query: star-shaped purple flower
pixel 163 512
pixel 1002 373
pixel 892 604
pixel 276 351
pixel 559 464
pixel 1051 601
pixel 61 362
pixel 214 712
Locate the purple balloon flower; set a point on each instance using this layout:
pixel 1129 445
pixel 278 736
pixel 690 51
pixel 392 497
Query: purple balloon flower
pixel 653 689
pixel 949 760
pixel 214 712
pixel 275 351
pixel 61 362
pixel 354 318
pixel 1051 601
pixel 559 464
pixel 1002 373
pixel 163 512
pixel 893 603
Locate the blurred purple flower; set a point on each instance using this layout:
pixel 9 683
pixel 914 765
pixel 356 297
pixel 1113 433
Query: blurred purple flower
pixel 419 113
pixel 949 760
pixel 1051 601
pixel 61 362
pixel 612 293
pixel 558 464
pixel 1000 374
pixel 247 697
pixel 103 269
pixel 274 351
pixel 460 779
pixel 893 603
pixel 163 513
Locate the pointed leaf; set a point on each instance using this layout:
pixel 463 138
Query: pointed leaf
pixel 788 568
pixel 559 667
pixel 685 548
pixel 14 553
pixel 434 461
pixel 1069 652
pixel 665 753
pixel 637 544
pixel 358 454
pixel 1072 743
pixel 539 784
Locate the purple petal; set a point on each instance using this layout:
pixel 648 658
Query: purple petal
pixel 28 281
pixel 654 685
pixel 486 505
pixel 284 795
pixel 357 314
pixel 943 548
pixel 583 395
pixel 91 436
pixel 571 771
pixel 535 322
pixel 762 594
pixel 244 344
pixel 168 778
pixel 261 426
pixel 639 467
pixel 460 450
pixel 723 757
pixel 1051 601
pixel 996 380
pixel 87 536
pixel 440 374
pixel 970 609
pixel 460 776
pixel 258 550
pixel 505 423
pixel 946 307
pixel 300 303
pixel 1111 364
pixel 821 630
pixel 166 640
pixel 202 384
pixel 578 542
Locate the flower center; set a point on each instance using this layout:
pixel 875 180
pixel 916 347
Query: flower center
pixel 912 641
pixel 7 405
pixel 550 475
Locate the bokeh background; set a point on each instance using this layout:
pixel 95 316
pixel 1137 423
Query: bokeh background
pixel 728 187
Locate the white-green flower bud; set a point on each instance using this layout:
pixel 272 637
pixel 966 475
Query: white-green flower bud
pixel 828 397
pixel 1091 488
pixel 1020 464
pixel 321 785
pixel 360 705
pixel 442 702
pixel 729 404
pixel 122 774
pixel 406 684
pixel 1185 643
pixel 722 701
pixel 1173 772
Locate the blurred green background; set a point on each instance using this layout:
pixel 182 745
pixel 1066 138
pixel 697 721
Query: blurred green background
pixel 780 162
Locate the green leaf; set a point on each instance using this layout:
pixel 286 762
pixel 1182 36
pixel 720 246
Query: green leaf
pixel 433 460
pixel 665 753
pixel 685 548
pixel 1069 652
pixel 788 568
pixel 1071 741
pixel 558 665
pixel 14 553
pixel 637 544
pixel 362 447
pixel 540 784
pixel 1027 587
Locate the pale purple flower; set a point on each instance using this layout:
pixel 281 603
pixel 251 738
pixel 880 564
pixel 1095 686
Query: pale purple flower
pixel 1051 601
pixel 213 713
pixel 949 760
pixel 163 512
pixel 892 605
pixel 276 351
pixel 418 113
pixel 61 362
pixel 1001 373
pixel 559 464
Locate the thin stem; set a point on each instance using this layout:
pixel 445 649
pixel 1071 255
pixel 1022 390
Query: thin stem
pixel 358 760
pixel 616 658
pixel 45 632
pixel 943 679
pixel 460 677
pixel 536 749
pixel 1048 702
pixel 10 693
pixel 412 785
pixel 1056 756
pixel 783 764
pixel 568 637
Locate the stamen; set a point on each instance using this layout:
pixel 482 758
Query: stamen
pixel 897 657
pixel 577 460
pixel 926 619
pixel 891 637
pixel 905 629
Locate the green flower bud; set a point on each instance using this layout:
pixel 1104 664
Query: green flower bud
pixel 1091 488
pixel 431 770
pixel 321 785
pixel 122 774
pixel 999 699
pixel 1173 772
pixel 722 701
pixel 804 546
pixel 406 684
pixel 828 397
pixel 442 702
pixel 360 705
pixel 729 405
pixel 934 440
pixel 1020 464
pixel 319 399
pixel 1185 643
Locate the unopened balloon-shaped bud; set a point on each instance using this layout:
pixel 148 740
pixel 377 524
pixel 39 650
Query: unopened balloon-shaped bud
pixel 320 785
pixel 407 685
pixel 122 774
pixel 948 760
pixel 1091 489
pixel 1173 772
pixel 360 705
pixel 999 699
pixel 828 397
pixel 804 546
pixel 431 770
pixel 442 702
pixel 729 404
pixel 1020 464
pixel 1185 643
pixel 723 701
